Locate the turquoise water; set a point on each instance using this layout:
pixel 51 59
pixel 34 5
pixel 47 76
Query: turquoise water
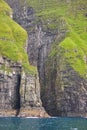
pixel 43 123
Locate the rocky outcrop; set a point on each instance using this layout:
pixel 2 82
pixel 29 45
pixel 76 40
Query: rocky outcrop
pixel 30 91
pixel 18 90
pixel 10 78
pixel 63 91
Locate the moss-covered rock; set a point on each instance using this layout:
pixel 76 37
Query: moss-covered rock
pixel 64 71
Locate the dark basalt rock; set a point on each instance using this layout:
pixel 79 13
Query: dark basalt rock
pixel 17 89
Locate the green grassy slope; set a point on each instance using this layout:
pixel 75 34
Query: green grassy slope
pixel 49 11
pixel 12 38
pixel 76 40
pixel 73 16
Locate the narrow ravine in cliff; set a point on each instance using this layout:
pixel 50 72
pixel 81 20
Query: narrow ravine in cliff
pixel 39 46
pixel 39 43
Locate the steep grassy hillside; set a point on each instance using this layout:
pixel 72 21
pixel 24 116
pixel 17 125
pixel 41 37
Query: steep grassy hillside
pixel 72 17
pixel 75 43
pixel 12 38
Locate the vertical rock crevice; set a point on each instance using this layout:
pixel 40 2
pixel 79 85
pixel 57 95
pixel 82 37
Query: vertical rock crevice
pixel 16 97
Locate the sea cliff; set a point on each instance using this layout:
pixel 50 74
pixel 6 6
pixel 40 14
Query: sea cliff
pixel 56 46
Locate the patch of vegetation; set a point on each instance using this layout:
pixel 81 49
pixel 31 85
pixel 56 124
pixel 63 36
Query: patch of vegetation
pixel 4 8
pixel 75 44
pixel 54 14
pixel 13 38
pixel 74 15
pixel 48 11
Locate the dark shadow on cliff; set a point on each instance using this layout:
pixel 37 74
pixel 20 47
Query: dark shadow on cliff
pixel 17 112
pixel 16 97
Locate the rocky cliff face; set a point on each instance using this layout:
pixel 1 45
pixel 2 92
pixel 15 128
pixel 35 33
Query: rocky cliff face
pixel 39 38
pixel 64 92
pixel 63 85
pixel 19 89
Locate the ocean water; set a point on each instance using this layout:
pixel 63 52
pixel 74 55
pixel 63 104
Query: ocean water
pixel 9 123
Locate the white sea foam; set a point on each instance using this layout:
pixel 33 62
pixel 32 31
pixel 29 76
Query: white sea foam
pixel 73 128
pixel 31 117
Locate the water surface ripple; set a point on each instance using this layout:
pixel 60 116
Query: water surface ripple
pixel 13 123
